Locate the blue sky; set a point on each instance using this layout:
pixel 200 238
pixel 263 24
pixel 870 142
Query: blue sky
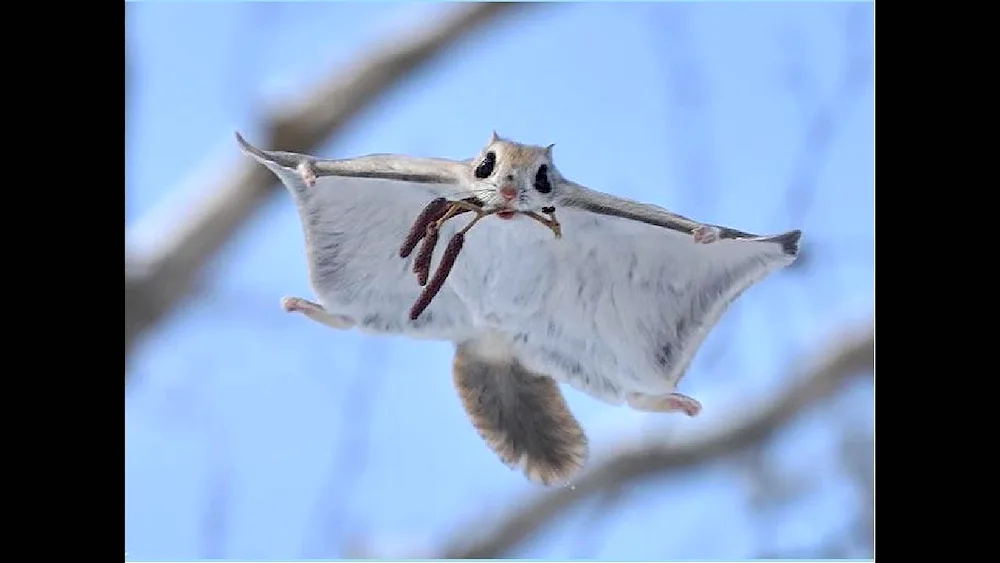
pixel 709 109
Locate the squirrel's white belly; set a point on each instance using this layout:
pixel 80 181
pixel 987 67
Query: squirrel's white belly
pixel 509 274
pixel 504 272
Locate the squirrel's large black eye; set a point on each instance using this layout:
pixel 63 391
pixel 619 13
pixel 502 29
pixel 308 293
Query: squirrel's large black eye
pixel 485 167
pixel 542 180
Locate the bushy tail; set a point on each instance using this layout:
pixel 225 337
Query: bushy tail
pixel 521 415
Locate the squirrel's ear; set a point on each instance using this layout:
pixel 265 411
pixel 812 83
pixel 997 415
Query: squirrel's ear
pixel 494 137
pixel 548 150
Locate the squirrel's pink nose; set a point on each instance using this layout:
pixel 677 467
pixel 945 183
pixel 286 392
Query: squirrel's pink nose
pixel 508 192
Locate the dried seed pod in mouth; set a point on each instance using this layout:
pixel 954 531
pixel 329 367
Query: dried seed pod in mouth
pixel 432 212
pixel 422 263
pixel 444 268
pixel 427 227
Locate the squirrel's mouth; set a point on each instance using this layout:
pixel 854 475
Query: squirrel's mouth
pixel 506 214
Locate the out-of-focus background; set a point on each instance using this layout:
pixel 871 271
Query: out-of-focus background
pixel 251 433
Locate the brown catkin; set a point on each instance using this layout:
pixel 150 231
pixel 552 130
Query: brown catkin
pixel 432 212
pixel 422 263
pixel 441 274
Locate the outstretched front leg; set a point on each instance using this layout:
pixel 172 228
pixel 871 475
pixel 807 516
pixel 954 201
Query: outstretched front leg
pixel 316 312
pixel 671 402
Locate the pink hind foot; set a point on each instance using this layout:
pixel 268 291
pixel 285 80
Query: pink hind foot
pixel 671 402
pixel 316 312
pixel 299 305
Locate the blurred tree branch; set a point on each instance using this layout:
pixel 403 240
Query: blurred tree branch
pixel 157 282
pixel 849 356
